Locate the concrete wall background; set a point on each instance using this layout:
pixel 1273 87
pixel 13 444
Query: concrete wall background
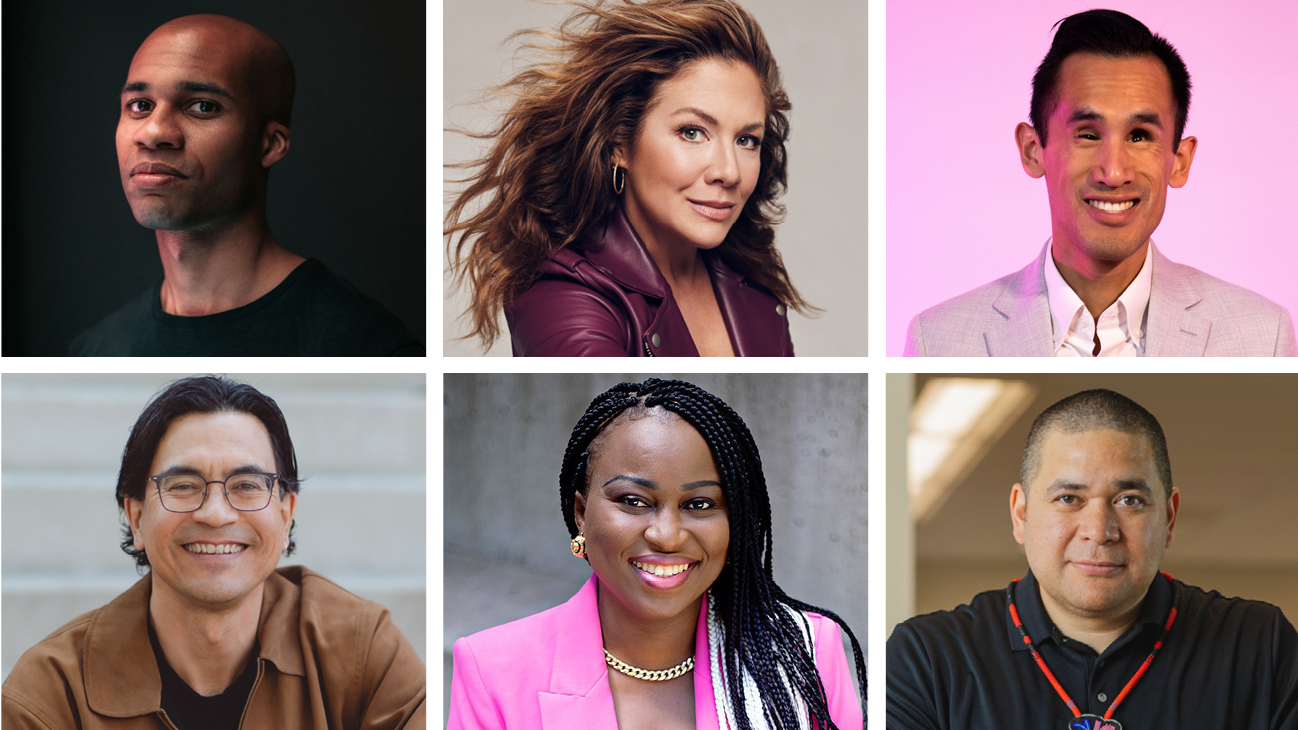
pixel 360 442
pixel 506 545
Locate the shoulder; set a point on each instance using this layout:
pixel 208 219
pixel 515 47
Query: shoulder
pixel 111 336
pixel 42 685
pixel 955 327
pixel 327 608
pixel 343 314
pixel 595 311
pixel 920 645
pixel 1237 618
pixel 517 646
pixel 1221 295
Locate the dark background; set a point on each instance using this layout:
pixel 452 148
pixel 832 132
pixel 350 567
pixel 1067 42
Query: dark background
pixel 350 192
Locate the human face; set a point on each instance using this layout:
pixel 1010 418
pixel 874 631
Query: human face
pixel 696 157
pixel 215 446
pixel 1094 522
pixel 654 506
pixel 1109 158
pixel 188 144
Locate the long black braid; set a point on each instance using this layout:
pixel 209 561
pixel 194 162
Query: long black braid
pixel 759 634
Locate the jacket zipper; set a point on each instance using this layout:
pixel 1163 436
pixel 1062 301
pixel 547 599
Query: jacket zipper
pixel 167 720
pixel 647 351
pixel 248 704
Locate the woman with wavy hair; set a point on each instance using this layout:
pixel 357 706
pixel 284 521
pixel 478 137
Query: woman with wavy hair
pixel 681 624
pixel 628 200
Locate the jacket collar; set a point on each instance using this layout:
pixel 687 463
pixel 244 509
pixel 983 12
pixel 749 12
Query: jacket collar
pixel 616 250
pixel 1024 306
pixel 1024 303
pixel 1174 330
pixel 579 696
pixel 121 673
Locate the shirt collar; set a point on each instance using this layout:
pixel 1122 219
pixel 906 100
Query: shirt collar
pixel 1067 309
pixel 1032 612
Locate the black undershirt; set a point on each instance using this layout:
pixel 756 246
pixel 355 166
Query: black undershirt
pixel 188 710
pixel 1226 663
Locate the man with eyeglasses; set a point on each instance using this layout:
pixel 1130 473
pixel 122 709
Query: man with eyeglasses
pixel 215 636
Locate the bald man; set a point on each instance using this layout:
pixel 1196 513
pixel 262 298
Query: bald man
pixel 205 114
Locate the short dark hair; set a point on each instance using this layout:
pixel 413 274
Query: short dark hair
pixel 1091 410
pixel 1116 35
pixel 207 394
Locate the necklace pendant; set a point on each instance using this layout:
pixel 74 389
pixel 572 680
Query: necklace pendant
pixel 1093 722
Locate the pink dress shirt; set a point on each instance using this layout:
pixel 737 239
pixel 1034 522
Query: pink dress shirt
pixel 548 671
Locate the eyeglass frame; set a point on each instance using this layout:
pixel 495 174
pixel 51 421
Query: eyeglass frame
pixel 274 478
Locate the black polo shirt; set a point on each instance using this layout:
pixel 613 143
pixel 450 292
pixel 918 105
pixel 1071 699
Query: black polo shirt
pixel 1226 663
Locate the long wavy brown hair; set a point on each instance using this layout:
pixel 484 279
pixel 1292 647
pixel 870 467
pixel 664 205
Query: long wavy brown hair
pixel 545 181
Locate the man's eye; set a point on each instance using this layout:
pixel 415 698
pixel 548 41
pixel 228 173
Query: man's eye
pixel 139 106
pixel 205 107
pixel 1067 499
pixel 1131 500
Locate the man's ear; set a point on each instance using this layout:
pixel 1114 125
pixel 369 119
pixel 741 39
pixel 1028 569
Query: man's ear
pixel 274 143
pixel 1018 510
pixel 1184 156
pixel 134 510
pixel 1025 137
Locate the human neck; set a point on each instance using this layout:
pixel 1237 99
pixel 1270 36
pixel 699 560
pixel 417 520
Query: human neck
pixel 1097 632
pixel 680 263
pixel 206 272
pixel 1098 283
pixel 207 648
pixel 647 644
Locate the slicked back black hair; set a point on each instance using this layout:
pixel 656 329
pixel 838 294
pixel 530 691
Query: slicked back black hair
pixel 1097 409
pixel 759 634
pixel 1115 35
pixel 207 394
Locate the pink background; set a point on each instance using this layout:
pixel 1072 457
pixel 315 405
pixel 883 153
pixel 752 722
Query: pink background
pixel 961 211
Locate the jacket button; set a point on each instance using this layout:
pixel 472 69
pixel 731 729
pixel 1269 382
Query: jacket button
pixel 780 310
pixel 655 340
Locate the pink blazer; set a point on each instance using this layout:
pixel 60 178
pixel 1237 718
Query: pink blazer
pixel 548 671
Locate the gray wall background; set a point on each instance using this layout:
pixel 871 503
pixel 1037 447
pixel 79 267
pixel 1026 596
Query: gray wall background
pixel 360 442
pixel 820 46
pixel 505 541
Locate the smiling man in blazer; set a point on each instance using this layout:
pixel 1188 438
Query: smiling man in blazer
pixel 1109 106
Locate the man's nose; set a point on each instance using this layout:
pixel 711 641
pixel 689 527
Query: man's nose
pixel 1100 523
pixel 160 130
pixel 1114 168
pixel 216 509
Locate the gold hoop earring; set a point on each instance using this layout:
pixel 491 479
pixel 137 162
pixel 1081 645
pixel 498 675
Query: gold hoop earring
pixel 578 546
pixel 617 189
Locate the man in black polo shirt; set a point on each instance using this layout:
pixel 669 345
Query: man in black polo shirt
pixel 1095 637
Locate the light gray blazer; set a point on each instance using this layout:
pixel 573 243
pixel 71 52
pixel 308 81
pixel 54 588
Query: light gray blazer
pixel 1191 314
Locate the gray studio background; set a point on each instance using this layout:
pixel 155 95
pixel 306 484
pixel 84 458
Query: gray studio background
pixel 820 46
pixel 506 544
pixel 360 442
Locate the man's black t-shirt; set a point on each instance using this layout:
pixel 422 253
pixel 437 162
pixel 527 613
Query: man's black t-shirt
pixel 312 312
pixel 188 710
pixel 1226 663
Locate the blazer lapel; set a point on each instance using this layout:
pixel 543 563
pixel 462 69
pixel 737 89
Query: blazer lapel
pixel 1173 330
pixel 579 696
pixel 1025 328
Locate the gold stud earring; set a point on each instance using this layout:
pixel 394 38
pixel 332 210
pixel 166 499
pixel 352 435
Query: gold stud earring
pixel 578 546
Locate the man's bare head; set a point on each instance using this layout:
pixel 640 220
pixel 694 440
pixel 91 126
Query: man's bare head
pixel 204 115
pixel 251 60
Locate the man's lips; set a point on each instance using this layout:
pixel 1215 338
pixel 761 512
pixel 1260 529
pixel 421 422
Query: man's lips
pixel 1097 567
pixel 1110 204
pixel 156 168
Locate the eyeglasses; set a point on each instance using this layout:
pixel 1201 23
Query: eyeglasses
pixel 187 492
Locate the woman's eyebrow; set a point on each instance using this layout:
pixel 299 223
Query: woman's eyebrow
pixel 755 126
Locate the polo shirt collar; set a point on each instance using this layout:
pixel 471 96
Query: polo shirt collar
pixel 1032 612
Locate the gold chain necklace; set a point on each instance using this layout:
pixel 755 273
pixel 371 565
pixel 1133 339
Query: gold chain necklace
pixel 661 675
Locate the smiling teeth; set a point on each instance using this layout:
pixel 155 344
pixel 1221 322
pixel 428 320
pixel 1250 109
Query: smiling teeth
pixel 1111 207
pixel 662 571
pixel 201 548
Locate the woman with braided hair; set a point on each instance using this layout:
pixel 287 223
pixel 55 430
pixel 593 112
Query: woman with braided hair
pixel 681 624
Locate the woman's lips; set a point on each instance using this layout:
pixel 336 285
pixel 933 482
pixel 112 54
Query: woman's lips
pixel 661 575
pixel 713 210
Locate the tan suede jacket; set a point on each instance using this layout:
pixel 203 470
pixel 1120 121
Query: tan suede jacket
pixel 328 660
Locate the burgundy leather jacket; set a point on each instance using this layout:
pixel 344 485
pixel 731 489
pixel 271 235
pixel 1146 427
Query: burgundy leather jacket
pixel 612 301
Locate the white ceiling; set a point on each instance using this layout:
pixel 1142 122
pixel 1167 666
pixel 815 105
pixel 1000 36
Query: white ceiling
pixel 1233 443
